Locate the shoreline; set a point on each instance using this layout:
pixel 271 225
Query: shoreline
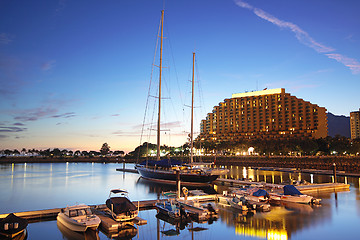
pixel 345 166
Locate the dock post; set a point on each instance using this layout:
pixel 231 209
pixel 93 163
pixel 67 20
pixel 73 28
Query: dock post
pixel 334 169
pixel 178 182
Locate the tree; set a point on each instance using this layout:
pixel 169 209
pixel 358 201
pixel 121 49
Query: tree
pixel 105 149
pixel 56 152
pixel 77 153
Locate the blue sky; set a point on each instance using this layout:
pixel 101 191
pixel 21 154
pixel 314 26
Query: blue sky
pixel 75 74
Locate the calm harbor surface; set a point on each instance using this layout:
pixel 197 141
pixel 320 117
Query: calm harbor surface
pixel 36 186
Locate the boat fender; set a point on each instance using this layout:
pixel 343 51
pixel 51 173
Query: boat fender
pixel 185 191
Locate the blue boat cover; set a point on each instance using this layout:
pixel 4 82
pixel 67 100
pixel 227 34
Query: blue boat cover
pixel 162 163
pixel 260 192
pixel 291 190
pixel 148 162
pixel 168 163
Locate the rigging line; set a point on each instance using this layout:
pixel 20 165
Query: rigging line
pixel 149 89
pixel 201 95
pixel 173 60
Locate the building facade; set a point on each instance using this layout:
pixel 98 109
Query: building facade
pixel 267 114
pixel 355 124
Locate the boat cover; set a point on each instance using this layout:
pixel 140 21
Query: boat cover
pixel 260 192
pixel 291 190
pixel 169 163
pixel 14 223
pixel 148 162
pixel 162 163
pixel 120 205
pixel 118 191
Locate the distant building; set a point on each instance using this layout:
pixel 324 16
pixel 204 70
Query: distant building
pixel 267 114
pixel 355 124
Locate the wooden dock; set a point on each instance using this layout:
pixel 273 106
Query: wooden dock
pixel 100 209
pixel 319 187
pixel 323 187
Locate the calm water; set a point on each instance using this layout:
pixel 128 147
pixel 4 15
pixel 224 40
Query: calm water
pixel 25 187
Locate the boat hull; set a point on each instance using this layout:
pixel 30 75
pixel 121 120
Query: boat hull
pixel 165 209
pixel 304 199
pixel 76 226
pixel 171 176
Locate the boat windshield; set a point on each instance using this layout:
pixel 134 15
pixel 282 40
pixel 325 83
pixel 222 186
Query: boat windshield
pixel 80 212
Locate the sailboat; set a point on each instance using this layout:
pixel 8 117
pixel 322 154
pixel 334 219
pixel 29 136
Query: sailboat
pixel 166 170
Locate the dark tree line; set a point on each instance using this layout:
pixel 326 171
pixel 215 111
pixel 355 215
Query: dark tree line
pixel 337 145
pixel 56 152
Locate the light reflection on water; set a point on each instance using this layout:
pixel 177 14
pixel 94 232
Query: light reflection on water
pixel 25 187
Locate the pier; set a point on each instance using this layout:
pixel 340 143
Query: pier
pixel 51 214
pixel 318 187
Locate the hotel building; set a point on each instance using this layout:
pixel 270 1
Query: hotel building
pixel 267 114
pixel 355 124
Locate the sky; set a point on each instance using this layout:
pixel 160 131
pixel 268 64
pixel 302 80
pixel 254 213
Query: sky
pixel 77 74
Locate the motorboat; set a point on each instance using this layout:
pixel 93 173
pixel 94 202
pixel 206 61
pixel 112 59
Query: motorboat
pixel 253 194
pixel 292 194
pixel 172 209
pixel 78 218
pixel 237 203
pixel 12 226
pixel 195 208
pixel 120 206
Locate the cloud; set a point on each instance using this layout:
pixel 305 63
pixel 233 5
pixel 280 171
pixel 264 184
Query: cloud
pixel 3 136
pixel 351 63
pixel 64 115
pixel 35 114
pixel 18 124
pixel 174 124
pixel 303 37
pixel 39 113
pixel 5 38
pixel 60 7
pixel 126 134
pixel 10 82
pixel 48 65
pixel 12 129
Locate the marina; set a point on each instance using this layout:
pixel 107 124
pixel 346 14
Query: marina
pixel 104 177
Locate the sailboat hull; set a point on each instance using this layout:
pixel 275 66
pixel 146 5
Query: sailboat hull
pixel 170 176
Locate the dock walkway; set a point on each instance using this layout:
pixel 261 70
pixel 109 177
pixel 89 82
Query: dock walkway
pixel 51 214
pixel 319 187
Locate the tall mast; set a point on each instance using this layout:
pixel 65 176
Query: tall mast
pixel 192 111
pixel 160 71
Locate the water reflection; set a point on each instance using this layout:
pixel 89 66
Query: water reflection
pixel 71 235
pixel 127 232
pixel 279 177
pixel 31 186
